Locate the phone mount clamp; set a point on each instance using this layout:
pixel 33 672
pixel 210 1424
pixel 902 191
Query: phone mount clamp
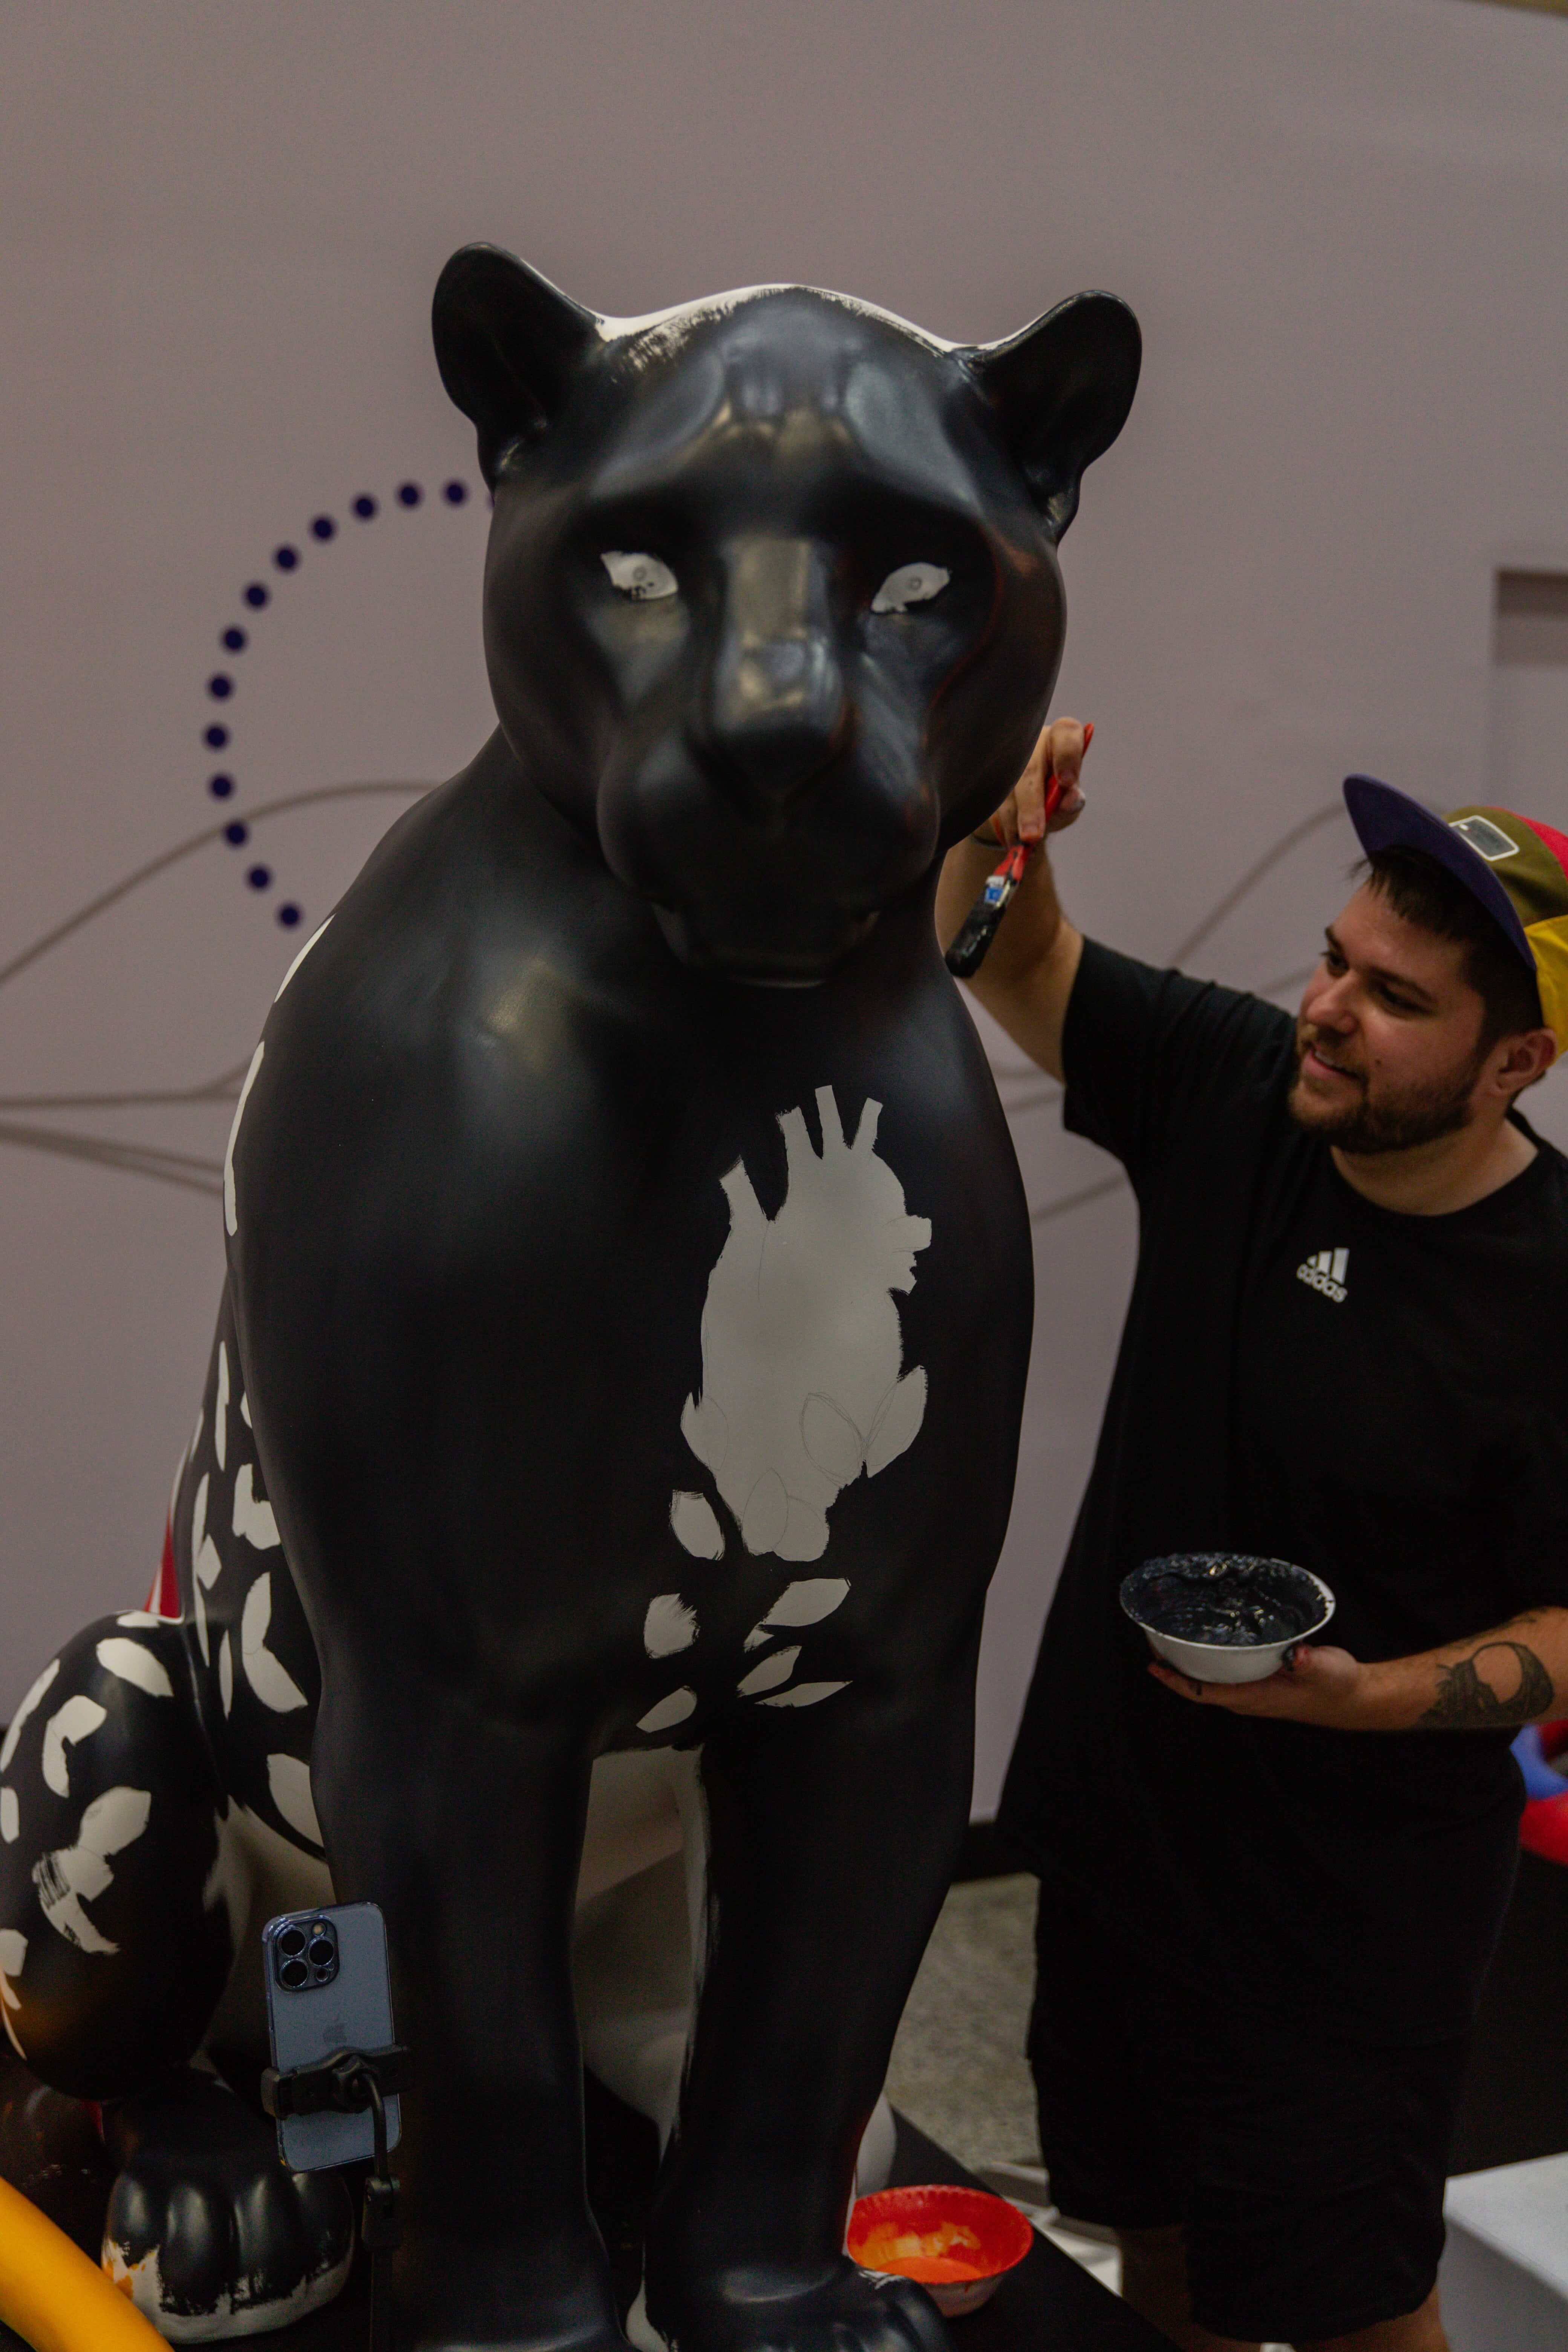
pixel 345 2083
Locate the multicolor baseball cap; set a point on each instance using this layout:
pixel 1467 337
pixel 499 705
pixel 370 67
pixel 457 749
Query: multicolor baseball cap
pixel 1517 867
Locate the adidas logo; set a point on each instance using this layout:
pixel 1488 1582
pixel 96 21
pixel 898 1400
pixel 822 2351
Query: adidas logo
pixel 1326 1272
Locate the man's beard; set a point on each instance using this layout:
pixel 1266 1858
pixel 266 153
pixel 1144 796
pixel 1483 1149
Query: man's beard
pixel 1396 1123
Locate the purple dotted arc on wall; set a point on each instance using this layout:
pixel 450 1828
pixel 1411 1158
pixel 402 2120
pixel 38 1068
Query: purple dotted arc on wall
pixel 221 685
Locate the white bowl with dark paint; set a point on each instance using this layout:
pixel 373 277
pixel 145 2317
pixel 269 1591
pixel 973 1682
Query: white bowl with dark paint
pixel 1253 1611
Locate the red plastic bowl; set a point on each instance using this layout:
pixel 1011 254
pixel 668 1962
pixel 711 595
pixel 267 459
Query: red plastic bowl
pixel 1004 2238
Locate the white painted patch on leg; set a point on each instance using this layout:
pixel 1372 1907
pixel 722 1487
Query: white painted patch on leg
pixel 803 1694
pixel 133 1662
pixel 12 1953
pixel 696 1526
pixel 10 1816
pixel 230 1204
pixel 289 1782
pixel 78 1718
pixel 641 2333
pixel 253 1517
pixel 770 1674
pixel 24 1711
pixel 802 1348
pixel 220 1409
pixel 807 1600
pixel 268 1677
pixel 300 959
pixel 226 1674
pixel 669 1625
pixel 78 1874
pixel 669 1711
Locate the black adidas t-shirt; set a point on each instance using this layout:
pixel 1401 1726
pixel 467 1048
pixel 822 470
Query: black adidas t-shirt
pixel 1377 1396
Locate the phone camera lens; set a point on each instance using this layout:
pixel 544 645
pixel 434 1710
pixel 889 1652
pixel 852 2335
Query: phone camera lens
pixel 294 1973
pixel 291 1942
pixel 321 1953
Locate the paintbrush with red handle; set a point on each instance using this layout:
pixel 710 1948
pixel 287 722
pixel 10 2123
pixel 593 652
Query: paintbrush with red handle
pixel 980 926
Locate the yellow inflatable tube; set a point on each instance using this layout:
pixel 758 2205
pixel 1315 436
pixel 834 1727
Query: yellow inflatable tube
pixel 55 2298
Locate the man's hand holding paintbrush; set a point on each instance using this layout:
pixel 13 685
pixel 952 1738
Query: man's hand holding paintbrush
pixel 1036 938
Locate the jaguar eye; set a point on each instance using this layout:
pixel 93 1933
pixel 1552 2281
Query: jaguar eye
pixel 911 584
pixel 641 577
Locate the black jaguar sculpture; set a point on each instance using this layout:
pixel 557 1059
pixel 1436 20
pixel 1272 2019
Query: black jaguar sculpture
pixel 623 1347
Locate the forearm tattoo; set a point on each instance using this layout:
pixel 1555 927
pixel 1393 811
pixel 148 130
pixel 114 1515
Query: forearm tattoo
pixel 1465 1703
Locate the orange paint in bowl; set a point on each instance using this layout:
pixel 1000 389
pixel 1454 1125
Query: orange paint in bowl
pixel 958 2242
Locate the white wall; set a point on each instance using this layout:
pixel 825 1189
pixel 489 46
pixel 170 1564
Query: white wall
pixel 1341 221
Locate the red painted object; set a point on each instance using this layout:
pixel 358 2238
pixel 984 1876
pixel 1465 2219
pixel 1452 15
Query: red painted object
pixel 1543 1830
pixel 966 2275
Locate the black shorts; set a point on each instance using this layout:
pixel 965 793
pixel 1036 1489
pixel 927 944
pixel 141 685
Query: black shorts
pixel 1307 2168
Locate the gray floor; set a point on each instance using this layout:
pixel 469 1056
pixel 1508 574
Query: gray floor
pixel 959 2069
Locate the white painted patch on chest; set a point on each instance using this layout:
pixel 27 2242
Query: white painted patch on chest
pixel 669 1625
pixel 696 1526
pixel 669 1711
pixel 802 1386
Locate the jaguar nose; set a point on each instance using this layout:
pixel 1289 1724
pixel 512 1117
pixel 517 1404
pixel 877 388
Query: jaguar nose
pixel 777 707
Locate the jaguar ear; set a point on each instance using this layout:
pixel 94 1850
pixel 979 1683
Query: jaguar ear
pixel 1061 390
pixel 506 343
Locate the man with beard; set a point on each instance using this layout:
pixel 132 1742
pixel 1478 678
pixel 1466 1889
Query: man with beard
pixel 1265 1908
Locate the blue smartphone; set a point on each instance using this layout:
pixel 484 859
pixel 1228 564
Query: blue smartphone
pixel 328 1988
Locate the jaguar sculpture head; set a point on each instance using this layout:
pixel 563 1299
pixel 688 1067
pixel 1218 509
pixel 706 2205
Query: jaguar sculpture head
pixel 801 560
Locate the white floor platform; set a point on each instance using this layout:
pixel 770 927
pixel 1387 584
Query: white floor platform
pixel 1504 2280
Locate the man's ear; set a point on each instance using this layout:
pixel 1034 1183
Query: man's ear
pixel 1061 390
pixel 506 343
pixel 1526 1061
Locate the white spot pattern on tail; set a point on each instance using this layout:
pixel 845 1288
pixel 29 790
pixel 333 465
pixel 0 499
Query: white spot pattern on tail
pixel 78 1874
pixel 13 1954
pixel 133 1662
pixel 78 1718
pixel 24 1710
